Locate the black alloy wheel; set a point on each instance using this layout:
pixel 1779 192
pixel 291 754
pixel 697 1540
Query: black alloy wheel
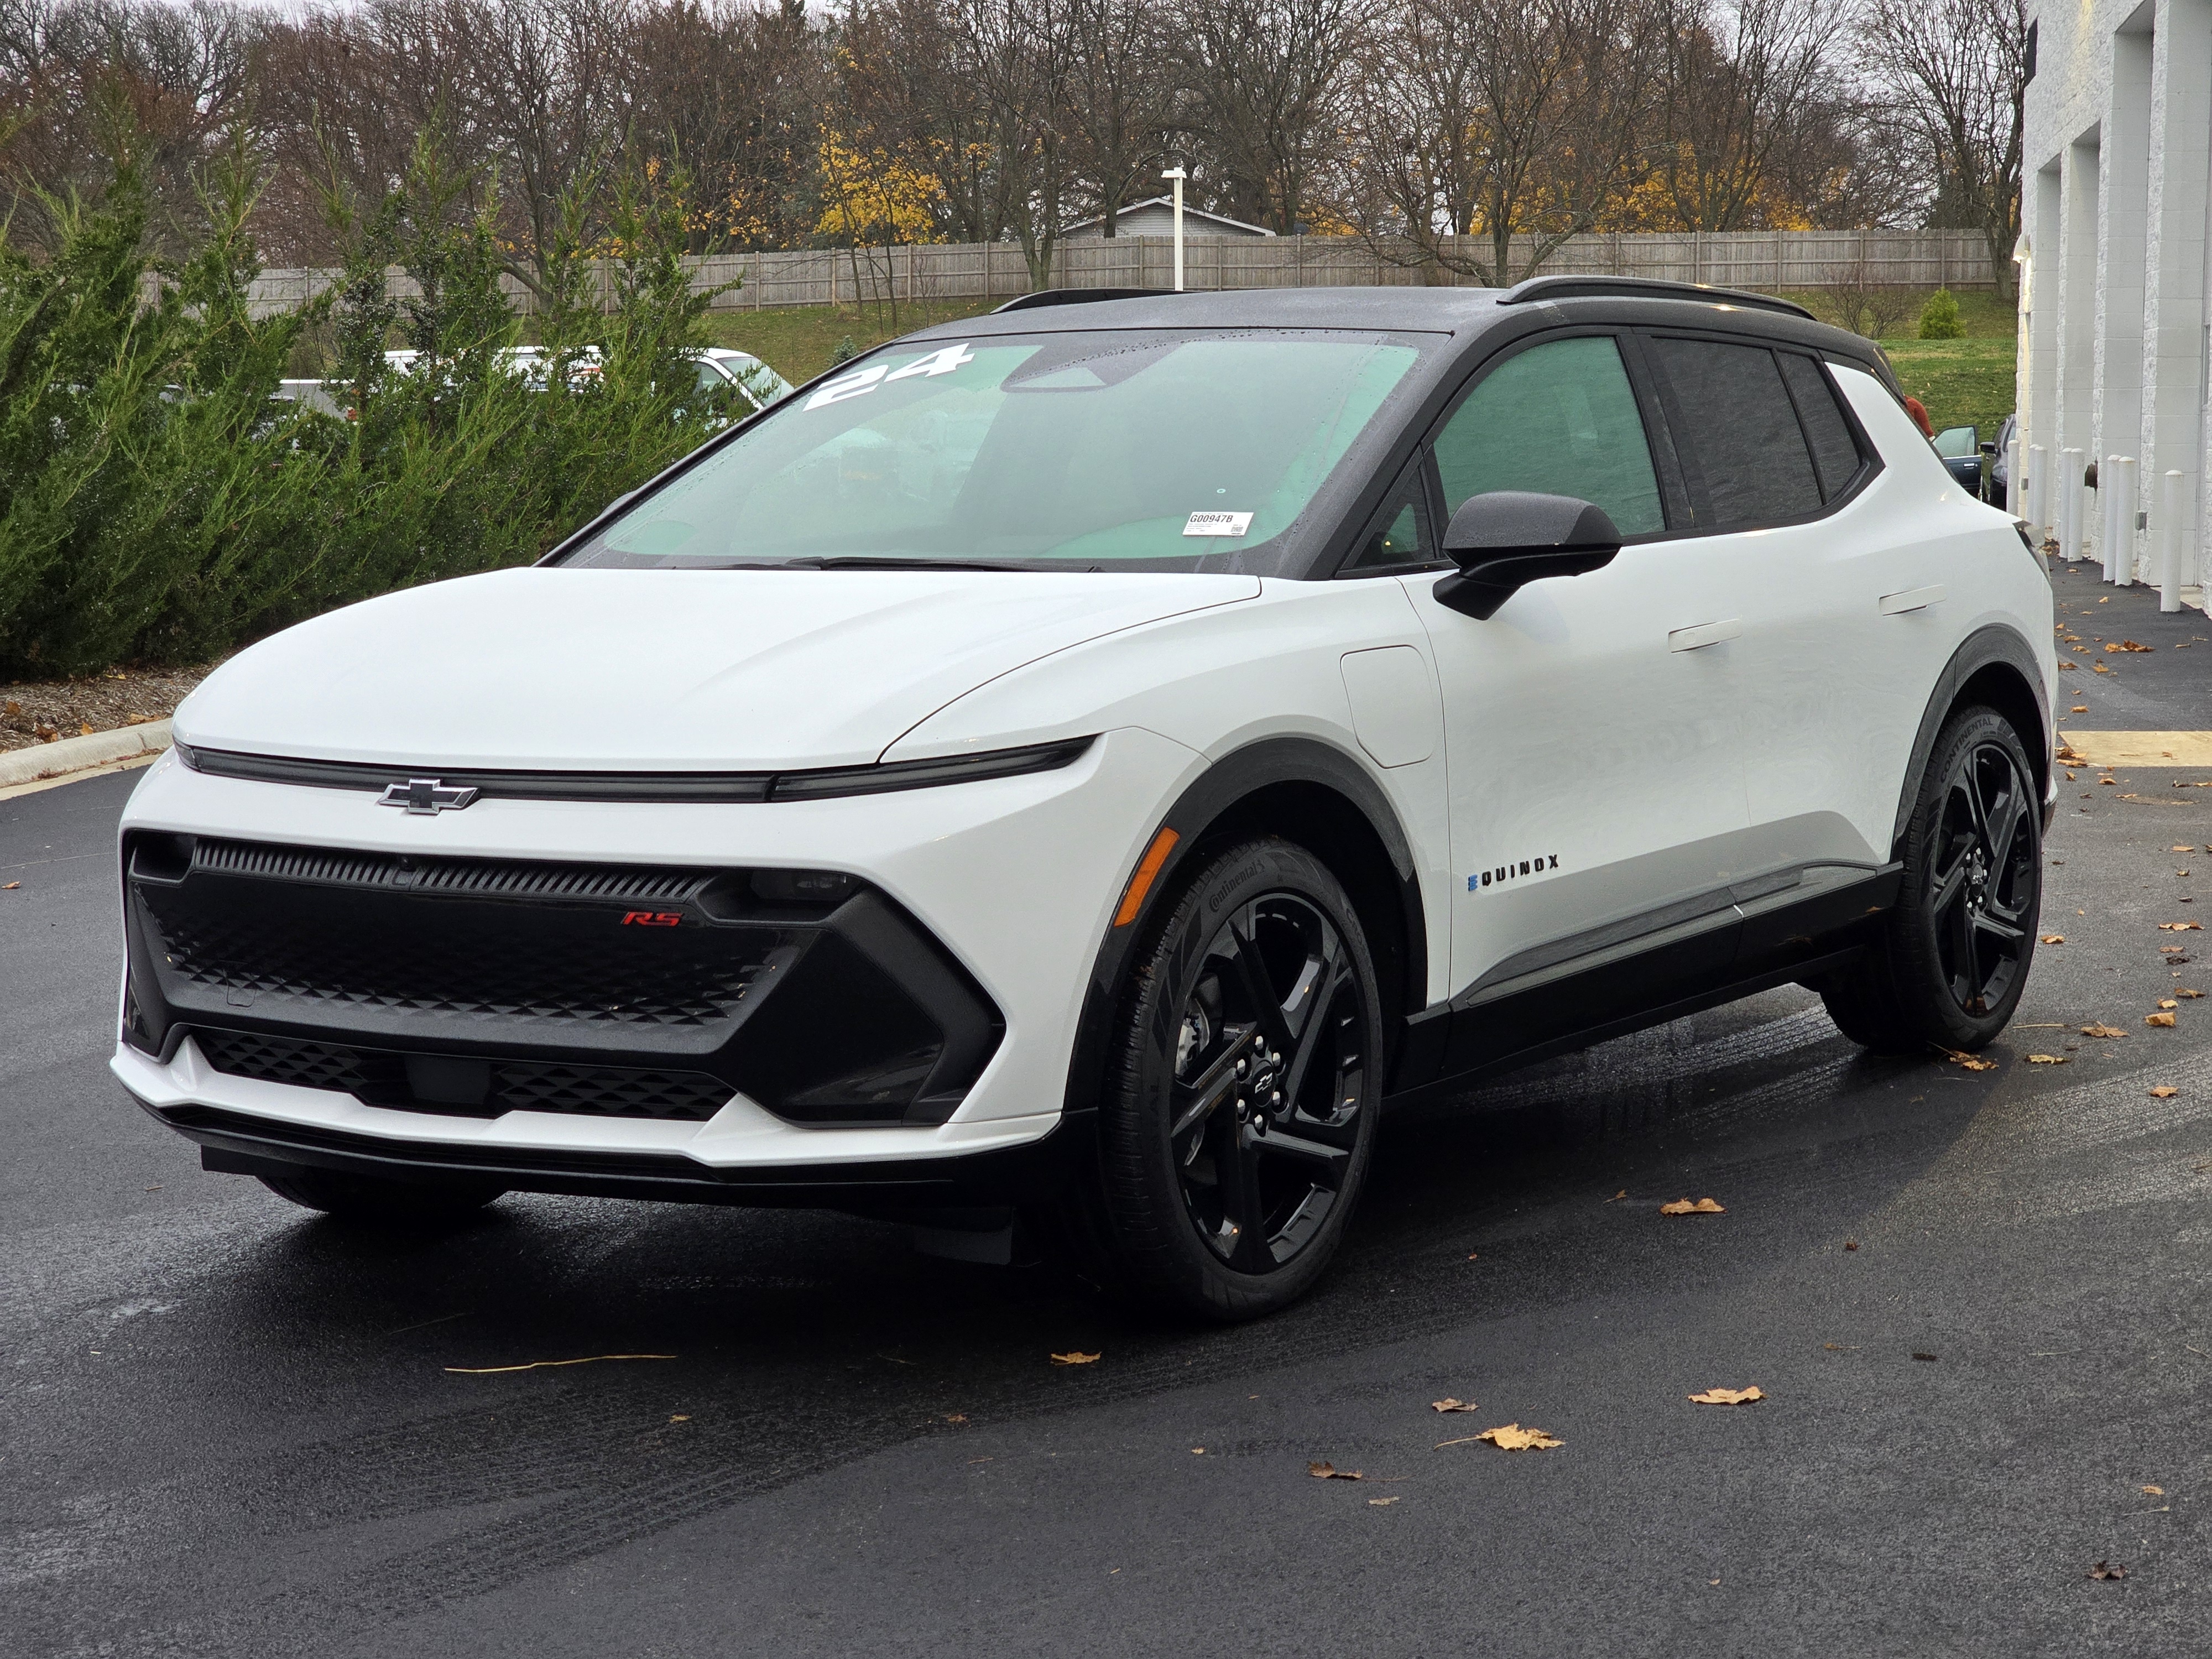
pixel 1238 1113
pixel 1948 963
pixel 1984 878
pixel 1271 1061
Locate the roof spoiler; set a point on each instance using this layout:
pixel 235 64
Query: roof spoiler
pixel 1079 296
pixel 1646 287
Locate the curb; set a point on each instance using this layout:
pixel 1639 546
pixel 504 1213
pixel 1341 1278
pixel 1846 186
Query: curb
pixel 54 760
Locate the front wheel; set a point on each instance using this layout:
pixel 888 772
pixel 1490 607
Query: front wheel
pixel 1238 1116
pixel 1952 956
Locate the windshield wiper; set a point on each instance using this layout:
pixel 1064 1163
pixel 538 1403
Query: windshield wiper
pixel 852 561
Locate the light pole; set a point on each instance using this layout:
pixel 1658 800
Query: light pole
pixel 1177 175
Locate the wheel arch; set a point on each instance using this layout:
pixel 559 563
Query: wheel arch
pixel 1993 666
pixel 1311 794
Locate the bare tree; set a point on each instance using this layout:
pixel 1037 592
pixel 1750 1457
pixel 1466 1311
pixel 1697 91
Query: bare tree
pixel 1020 58
pixel 1490 118
pixel 1739 87
pixel 1957 72
pixel 1120 98
pixel 1264 81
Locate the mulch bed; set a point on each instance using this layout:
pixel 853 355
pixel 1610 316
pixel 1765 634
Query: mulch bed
pixel 46 711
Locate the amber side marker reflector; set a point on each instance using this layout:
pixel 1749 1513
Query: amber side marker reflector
pixel 1148 870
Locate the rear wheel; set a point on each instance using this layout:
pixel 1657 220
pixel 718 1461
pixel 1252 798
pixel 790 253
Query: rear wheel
pixel 1238 1120
pixel 1954 954
pixel 368 1198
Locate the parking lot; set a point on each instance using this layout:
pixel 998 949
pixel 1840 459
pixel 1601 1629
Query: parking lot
pixel 1973 1299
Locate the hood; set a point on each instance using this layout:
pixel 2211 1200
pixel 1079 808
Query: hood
pixel 660 669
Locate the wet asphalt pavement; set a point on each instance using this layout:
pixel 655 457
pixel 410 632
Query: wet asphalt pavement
pixel 228 1428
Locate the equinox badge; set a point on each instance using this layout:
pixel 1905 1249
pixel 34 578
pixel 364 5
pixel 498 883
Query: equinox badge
pixel 425 797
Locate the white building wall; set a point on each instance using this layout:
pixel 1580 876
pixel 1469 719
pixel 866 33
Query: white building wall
pixel 2118 173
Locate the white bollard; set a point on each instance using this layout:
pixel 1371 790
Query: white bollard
pixel 2070 504
pixel 2108 479
pixel 2123 521
pixel 2169 544
pixel 2040 524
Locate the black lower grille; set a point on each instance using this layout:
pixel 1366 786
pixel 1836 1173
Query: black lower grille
pixel 481 985
pixel 461 1086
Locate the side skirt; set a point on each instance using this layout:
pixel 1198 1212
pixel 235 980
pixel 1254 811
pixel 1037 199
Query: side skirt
pixel 1750 946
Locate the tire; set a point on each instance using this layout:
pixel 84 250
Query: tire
pixel 1208 1200
pixel 1952 956
pixel 393 1203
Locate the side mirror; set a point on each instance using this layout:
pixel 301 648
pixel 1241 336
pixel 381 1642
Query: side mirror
pixel 1990 449
pixel 1505 538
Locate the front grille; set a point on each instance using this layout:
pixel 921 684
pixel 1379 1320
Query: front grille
pixel 454 938
pixel 477 986
pixel 385 1078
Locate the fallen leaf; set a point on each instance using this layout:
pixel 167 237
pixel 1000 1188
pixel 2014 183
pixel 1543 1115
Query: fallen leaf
pixel 1330 1472
pixel 2167 1002
pixel 1971 1063
pixel 2129 644
pixel 685 1418
pixel 2098 668
pixel 1448 1404
pixel 1850 1243
pixel 2067 667
pixel 2164 1091
pixel 2163 1021
pixel 1473 1255
pixel 2184 848
pixel 2191 995
pixel 2101 1029
pixel 2054 939
pixel 2112 1570
pixel 1618 1196
pixel 1514 1437
pixel 2047 1060
pixel 1379 1503
pixel 1689 1207
pixel 1198 1451
pixel 9 887
pixel 1074 1358
pixel 2152 1492
pixel 1928 1358
pixel 1841 1347
pixel 539 1364
pixel 2079 708
pixel 2181 927
pixel 1728 1396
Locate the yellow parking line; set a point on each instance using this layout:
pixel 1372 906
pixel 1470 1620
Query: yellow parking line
pixel 2141 748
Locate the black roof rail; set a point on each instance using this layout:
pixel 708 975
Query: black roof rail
pixel 1078 297
pixel 1646 287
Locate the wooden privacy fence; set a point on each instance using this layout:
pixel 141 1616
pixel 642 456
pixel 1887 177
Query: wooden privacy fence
pixel 981 271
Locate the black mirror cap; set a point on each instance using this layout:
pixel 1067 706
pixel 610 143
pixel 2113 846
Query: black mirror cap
pixel 1505 538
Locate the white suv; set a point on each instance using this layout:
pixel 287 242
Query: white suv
pixel 1080 763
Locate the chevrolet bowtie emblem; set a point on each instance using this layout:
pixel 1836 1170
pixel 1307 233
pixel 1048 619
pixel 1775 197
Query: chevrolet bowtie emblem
pixel 426 797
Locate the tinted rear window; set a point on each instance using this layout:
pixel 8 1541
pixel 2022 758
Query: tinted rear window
pixel 1739 432
pixel 1835 451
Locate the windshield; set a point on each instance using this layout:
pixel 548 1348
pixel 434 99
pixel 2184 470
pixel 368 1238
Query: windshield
pixel 1177 449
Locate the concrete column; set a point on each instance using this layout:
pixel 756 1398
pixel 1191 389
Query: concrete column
pixel 2124 201
pixel 2174 303
pixel 2040 311
pixel 2078 311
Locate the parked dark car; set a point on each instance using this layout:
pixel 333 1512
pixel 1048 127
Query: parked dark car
pixel 1960 448
pixel 1999 454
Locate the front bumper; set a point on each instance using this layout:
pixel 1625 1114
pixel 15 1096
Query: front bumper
pixel 1012 880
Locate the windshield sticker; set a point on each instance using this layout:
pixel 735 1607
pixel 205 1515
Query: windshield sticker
pixel 861 381
pixel 1217 524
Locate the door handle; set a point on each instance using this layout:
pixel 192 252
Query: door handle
pixel 1704 634
pixel 1913 598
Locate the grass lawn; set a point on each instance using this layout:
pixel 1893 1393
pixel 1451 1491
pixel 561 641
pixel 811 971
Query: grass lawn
pixel 1961 381
pixel 798 342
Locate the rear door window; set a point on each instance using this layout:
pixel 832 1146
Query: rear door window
pixel 1836 455
pixel 1560 419
pixel 1737 434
